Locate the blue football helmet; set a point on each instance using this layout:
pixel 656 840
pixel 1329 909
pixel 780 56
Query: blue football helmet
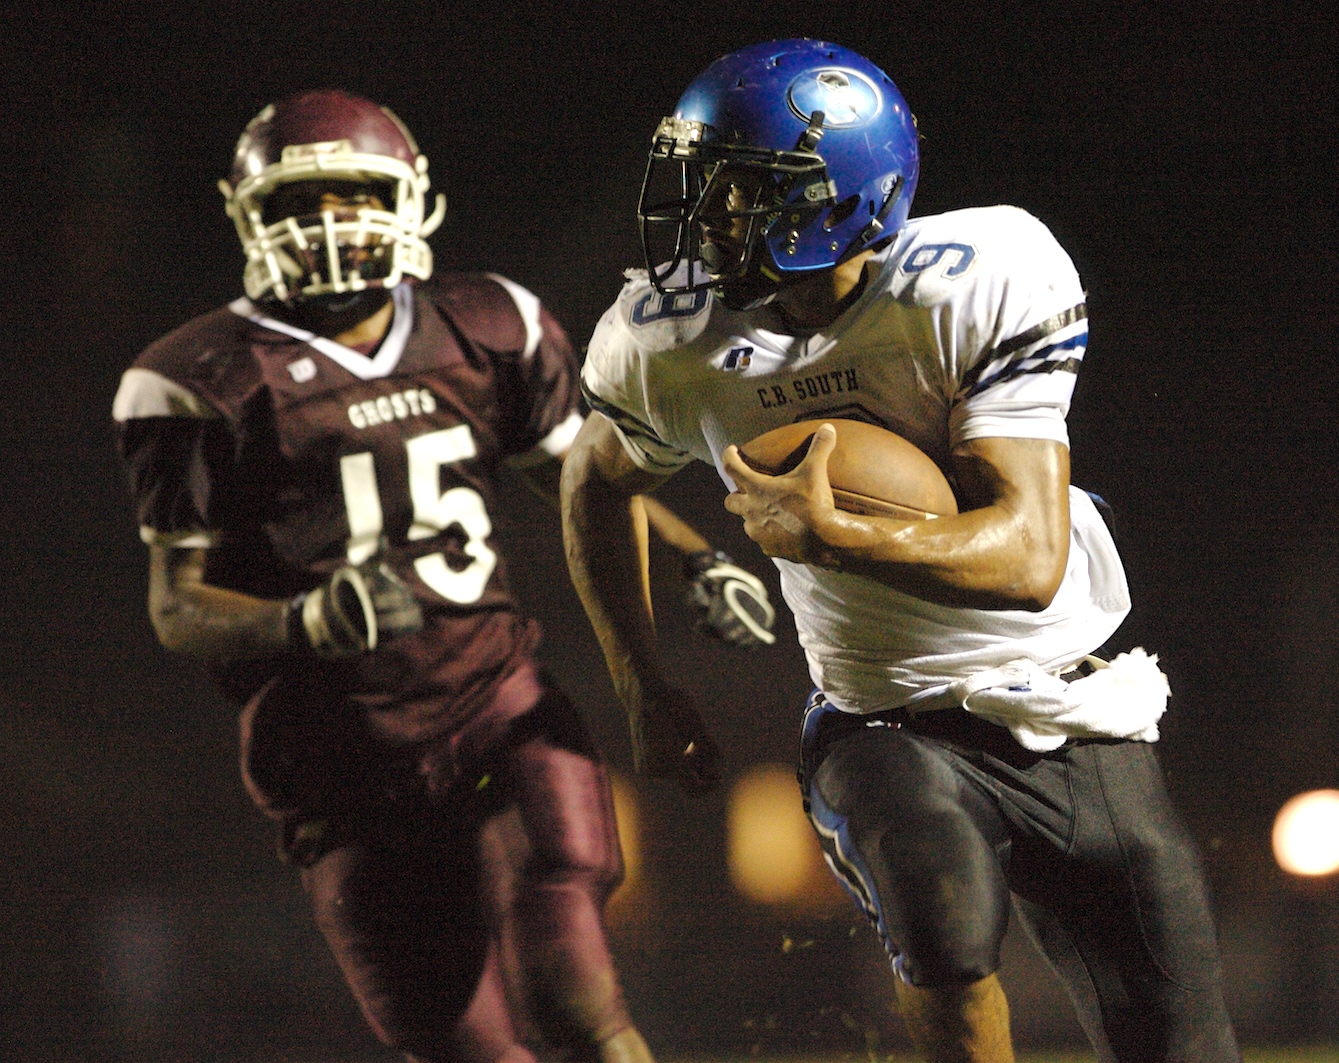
pixel 780 160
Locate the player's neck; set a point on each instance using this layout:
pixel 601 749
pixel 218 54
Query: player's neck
pixel 370 330
pixel 815 303
pixel 361 324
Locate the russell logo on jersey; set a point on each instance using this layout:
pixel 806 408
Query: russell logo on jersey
pixel 738 358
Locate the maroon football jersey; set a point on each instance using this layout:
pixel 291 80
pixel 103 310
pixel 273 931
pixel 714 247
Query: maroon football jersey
pixel 289 455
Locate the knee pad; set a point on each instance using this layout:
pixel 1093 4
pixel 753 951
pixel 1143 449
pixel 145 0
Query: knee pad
pixel 916 855
pixel 944 969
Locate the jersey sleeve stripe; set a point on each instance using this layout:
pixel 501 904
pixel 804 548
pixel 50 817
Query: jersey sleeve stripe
pixel 1015 348
pixel 1045 360
pixel 620 417
pixel 527 305
pixel 644 446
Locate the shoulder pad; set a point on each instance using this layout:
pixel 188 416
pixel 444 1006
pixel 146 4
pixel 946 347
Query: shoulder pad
pixel 145 393
pixel 658 321
pixel 940 254
pixel 489 308
pixel 209 358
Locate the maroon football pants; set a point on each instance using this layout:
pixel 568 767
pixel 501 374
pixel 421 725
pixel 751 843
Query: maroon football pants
pixel 475 925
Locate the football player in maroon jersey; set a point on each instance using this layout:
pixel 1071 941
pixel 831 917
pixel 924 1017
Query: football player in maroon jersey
pixel 313 468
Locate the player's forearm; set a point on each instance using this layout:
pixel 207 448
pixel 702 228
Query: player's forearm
pixel 606 560
pixel 671 529
pixel 1007 549
pixel 672 543
pixel 207 622
pixel 605 543
pixel 217 625
pixel 987 558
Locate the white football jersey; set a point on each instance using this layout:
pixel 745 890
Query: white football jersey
pixel 974 326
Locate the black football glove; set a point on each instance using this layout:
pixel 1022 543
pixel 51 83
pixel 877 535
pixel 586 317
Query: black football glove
pixel 731 602
pixel 359 607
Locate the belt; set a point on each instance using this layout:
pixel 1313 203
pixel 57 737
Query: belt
pixel 953 726
pixel 1085 667
pixel 950 722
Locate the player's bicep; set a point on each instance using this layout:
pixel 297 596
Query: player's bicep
pixel 1029 473
pixel 1027 480
pixel 599 450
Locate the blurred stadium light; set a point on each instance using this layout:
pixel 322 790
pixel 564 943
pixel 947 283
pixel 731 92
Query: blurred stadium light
pixel 1306 834
pixel 773 855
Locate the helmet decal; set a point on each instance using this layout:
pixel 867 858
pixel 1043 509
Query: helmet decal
pixel 846 97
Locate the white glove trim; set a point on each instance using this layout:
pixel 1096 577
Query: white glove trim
pixel 736 581
pixel 324 640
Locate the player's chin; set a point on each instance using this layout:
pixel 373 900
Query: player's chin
pixel 721 258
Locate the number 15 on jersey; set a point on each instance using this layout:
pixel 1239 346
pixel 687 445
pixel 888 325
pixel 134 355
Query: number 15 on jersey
pixel 434 512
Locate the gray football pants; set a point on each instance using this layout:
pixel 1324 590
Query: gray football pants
pixel 933 822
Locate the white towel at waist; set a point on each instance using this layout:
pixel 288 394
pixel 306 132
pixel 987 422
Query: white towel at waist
pixel 1123 698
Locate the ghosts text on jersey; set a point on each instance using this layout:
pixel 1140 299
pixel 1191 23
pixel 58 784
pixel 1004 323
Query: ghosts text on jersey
pixel 396 406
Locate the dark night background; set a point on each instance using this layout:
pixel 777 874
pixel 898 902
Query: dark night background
pixel 1185 155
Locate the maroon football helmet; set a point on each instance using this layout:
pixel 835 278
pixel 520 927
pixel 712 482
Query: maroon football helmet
pixel 330 140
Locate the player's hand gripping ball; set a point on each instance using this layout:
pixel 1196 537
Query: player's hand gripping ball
pixel 359 607
pixel 872 471
pixel 731 602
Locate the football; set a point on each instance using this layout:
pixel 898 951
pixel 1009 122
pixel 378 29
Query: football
pixel 872 471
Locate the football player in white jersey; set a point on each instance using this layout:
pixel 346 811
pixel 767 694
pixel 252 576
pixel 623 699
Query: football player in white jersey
pixel 964 744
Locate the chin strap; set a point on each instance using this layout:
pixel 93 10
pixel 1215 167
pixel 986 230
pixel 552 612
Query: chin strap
pixel 812 134
pixel 871 232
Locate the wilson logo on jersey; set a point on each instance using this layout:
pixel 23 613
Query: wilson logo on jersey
pixel 397 406
pixel 302 371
